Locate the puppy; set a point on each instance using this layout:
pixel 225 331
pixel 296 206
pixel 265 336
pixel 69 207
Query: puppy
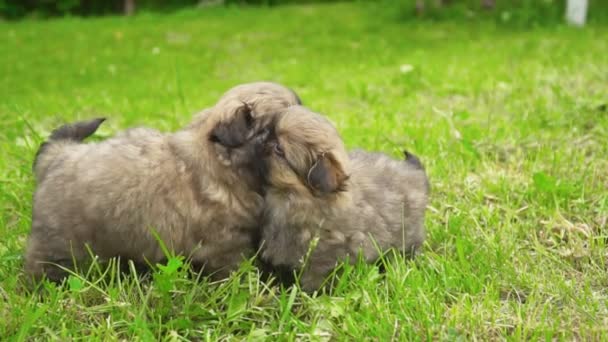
pixel 197 189
pixel 362 202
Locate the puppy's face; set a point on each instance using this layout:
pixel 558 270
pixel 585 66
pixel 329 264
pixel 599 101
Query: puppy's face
pixel 238 142
pixel 237 126
pixel 304 154
pixel 233 138
pixel 242 116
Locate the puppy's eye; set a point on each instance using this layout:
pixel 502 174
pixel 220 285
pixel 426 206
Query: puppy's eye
pixel 278 150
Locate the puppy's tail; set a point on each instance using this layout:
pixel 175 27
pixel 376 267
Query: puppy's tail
pixel 413 160
pixel 76 132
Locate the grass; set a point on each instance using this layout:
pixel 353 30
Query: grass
pixel 512 126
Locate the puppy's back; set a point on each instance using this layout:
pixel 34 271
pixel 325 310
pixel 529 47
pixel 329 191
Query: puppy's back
pixel 379 170
pixel 103 194
pixel 398 192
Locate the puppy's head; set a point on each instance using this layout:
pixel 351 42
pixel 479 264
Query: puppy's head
pixel 304 154
pixel 234 130
pixel 238 140
pixel 241 116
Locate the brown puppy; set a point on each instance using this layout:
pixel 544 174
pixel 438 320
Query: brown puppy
pixel 362 202
pixel 196 188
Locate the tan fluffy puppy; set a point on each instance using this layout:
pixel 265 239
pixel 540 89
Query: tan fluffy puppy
pixel 196 188
pixel 365 202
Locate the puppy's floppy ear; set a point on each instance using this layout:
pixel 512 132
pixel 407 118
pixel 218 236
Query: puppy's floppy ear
pixel 233 133
pixel 326 175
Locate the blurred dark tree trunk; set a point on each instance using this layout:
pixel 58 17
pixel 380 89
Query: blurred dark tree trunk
pixel 129 7
pixel 488 4
pixel 419 7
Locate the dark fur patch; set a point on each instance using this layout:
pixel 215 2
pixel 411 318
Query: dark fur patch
pixel 283 274
pixel 260 163
pixel 234 133
pixel 255 170
pixel 260 167
pixel 77 131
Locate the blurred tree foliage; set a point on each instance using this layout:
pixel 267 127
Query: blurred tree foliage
pixel 277 2
pixel 519 12
pixel 12 9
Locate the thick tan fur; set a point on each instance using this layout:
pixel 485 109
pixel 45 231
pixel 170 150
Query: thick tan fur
pixel 266 97
pixel 367 202
pixel 196 192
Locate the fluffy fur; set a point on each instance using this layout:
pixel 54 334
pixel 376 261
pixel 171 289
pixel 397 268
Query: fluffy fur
pixel 362 202
pixel 197 188
pixel 266 97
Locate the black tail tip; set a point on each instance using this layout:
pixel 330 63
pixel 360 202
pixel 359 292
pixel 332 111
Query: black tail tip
pixel 96 122
pixel 413 160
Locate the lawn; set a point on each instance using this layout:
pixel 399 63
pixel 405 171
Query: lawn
pixel 512 126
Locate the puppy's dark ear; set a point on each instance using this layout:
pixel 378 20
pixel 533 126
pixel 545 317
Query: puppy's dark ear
pixel 326 175
pixel 233 133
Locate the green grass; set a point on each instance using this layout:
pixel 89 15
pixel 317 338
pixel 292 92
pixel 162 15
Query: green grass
pixel 512 126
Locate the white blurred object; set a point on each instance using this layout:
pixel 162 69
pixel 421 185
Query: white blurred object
pixel 129 7
pixel 406 68
pixel 576 12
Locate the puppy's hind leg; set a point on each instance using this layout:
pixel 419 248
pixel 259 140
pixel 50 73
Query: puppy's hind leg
pixel 48 259
pixel 323 260
pixel 54 270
